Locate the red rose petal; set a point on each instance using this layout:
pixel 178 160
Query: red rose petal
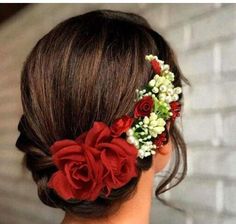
pixel 59 183
pixel 60 144
pixel 67 154
pixel 99 131
pixel 129 148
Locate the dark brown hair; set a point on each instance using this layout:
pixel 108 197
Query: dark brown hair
pixel 86 69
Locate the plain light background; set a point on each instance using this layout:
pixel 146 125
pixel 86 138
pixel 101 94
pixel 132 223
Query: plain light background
pixel 203 36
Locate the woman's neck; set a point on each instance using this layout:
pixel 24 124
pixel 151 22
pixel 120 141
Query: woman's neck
pixel 135 210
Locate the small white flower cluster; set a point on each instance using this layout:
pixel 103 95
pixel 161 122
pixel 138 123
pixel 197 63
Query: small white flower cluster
pixel 151 127
pixel 154 124
pixel 163 92
pixel 161 85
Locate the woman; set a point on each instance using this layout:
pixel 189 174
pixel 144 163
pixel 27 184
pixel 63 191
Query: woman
pixel 100 94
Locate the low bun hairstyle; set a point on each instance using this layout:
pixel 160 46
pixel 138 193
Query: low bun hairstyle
pixel 87 69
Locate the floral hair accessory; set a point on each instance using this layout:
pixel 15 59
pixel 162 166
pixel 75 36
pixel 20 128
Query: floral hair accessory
pixel 105 157
pixel 156 104
pixel 93 163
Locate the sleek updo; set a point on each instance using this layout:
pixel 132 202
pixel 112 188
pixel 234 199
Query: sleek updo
pixel 87 69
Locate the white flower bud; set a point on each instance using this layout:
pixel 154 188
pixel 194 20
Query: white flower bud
pixel 152 83
pixel 130 132
pixel 168 98
pixel 136 143
pixel 153 123
pixel 146 120
pixel 160 122
pixel 161 79
pixel 152 117
pixel 170 91
pixel 159 130
pixel 149 57
pixel 169 75
pixel 156 77
pixel 141 154
pixel 162 96
pixel 153 152
pixel 175 97
pixel 153 133
pixel 155 90
pixel 131 140
pixel 163 88
pixel 146 154
pixel 178 90
pixel 166 82
pixel 166 67
pixel 144 148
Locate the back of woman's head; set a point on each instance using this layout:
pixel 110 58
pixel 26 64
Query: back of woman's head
pixel 87 69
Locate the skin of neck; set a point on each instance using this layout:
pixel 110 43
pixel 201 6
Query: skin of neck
pixel 135 210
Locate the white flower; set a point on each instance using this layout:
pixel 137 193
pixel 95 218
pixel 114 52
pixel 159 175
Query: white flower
pixel 153 116
pixel 147 149
pixel 155 89
pixel 163 88
pixel 130 132
pixel 152 83
pixel 168 99
pixel 162 96
pixel 175 97
pixel 156 131
pixel 170 91
pixel 146 120
pixel 170 76
pixel 131 139
pixel 166 67
pixel 156 77
pixel 177 90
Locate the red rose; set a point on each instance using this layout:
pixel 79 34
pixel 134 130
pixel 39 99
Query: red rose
pixel 121 125
pixel 94 162
pixel 143 107
pixel 156 66
pixel 119 160
pixel 175 109
pixel 79 174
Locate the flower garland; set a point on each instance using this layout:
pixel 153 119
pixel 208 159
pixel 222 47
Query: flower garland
pixel 156 103
pixel 101 159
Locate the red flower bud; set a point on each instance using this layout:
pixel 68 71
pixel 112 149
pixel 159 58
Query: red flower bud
pixel 156 66
pixel 160 141
pixel 175 109
pixel 121 125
